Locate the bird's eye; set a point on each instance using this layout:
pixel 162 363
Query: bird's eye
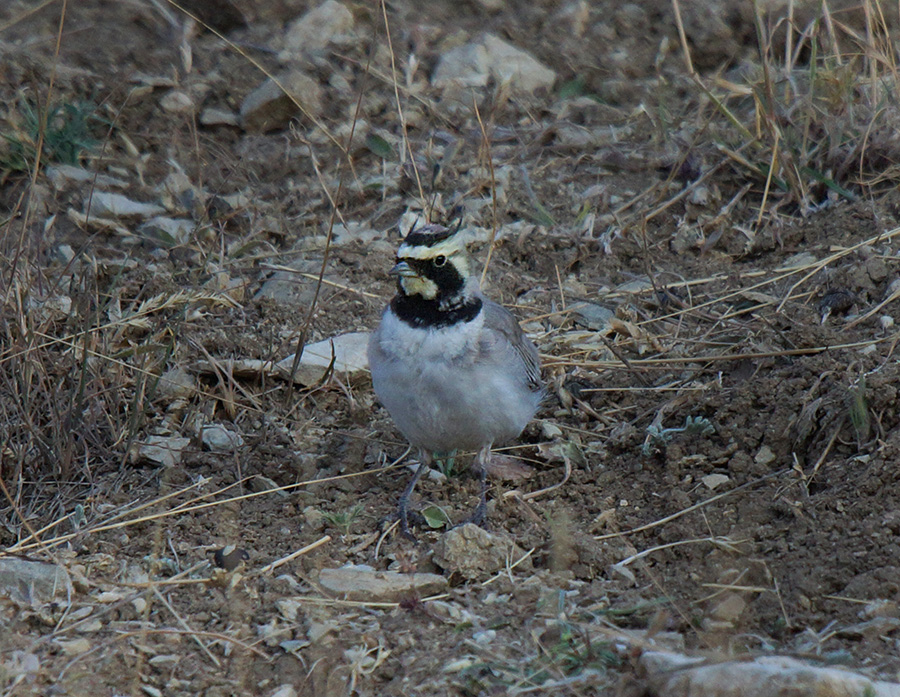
pixel 440 260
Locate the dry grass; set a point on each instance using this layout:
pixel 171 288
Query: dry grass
pixel 85 340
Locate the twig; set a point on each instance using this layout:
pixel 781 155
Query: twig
pixel 290 557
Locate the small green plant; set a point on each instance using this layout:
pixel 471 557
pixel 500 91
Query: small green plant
pixel 565 652
pixel 693 426
pixel 446 464
pixel 66 135
pixel 343 520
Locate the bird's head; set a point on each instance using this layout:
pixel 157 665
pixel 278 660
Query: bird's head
pixel 432 263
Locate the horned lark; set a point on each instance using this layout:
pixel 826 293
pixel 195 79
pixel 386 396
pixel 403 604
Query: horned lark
pixel 454 369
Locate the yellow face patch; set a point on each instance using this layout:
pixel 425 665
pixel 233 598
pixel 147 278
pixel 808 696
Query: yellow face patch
pixel 417 285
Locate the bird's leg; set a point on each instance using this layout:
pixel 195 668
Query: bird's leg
pixel 480 513
pixel 403 503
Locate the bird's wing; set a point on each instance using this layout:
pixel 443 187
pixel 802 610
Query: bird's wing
pixel 499 319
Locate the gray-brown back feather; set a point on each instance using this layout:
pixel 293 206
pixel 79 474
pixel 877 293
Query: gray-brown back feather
pixel 498 318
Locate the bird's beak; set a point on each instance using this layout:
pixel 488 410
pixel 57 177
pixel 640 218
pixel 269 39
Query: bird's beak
pixel 403 270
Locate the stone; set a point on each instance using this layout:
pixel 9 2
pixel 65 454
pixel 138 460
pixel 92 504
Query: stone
pixel 161 450
pixel 330 22
pixel 472 64
pixel 211 116
pixel 464 66
pixel 729 608
pixel 765 456
pixel 676 675
pixel 104 203
pixel 367 585
pixel 592 316
pixel 31 581
pixel 512 65
pixel 63 175
pixel 219 439
pixel 270 106
pixel 170 231
pixel 178 102
pixel 474 553
pixel 348 351
pixel 176 383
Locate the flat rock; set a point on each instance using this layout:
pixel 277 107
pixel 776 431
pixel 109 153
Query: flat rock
pixel 63 175
pixel 26 580
pixel 472 64
pixel 171 231
pixel 593 316
pixel 475 553
pixel 273 104
pixel 161 450
pixel 464 66
pixel 217 438
pixel 212 116
pixel 176 383
pixel 107 204
pixel 347 350
pixel 362 583
pixel 289 287
pixel 178 102
pixel 330 22
pixel 676 675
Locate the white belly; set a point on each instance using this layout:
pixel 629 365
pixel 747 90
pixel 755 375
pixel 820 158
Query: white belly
pixel 438 397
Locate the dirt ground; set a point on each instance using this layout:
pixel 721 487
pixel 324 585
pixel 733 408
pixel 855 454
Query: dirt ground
pixel 722 382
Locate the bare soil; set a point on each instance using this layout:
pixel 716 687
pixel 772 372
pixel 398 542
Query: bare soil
pixel 768 330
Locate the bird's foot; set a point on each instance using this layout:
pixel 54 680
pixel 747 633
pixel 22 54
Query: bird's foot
pixel 406 518
pixel 479 515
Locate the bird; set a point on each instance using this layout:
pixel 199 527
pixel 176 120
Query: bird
pixel 454 369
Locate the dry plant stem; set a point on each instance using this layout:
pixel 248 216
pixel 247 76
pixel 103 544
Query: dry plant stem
pixel 783 273
pixel 60 539
pixel 821 458
pixel 39 149
pixel 388 80
pixel 140 634
pixel 784 612
pixel 718 541
pixel 33 534
pixel 862 318
pixel 145 589
pixel 307 325
pixel 690 509
pixel 507 572
pixel 553 487
pixel 686 191
pixel 819 265
pixel 772 165
pixel 407 144
pixel 259 66
pixel 149 504
pixel 682 38
pixel 26 14
pixel 226 379
pixel 187 628
pixel 314 277
pixel 486 146
pixel 337 602
pixel 387 531
pixel 661 363
pixel 299 553
pixel 732 587
pixel 858 601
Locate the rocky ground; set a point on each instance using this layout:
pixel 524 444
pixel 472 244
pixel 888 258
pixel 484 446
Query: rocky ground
pixel 694 215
